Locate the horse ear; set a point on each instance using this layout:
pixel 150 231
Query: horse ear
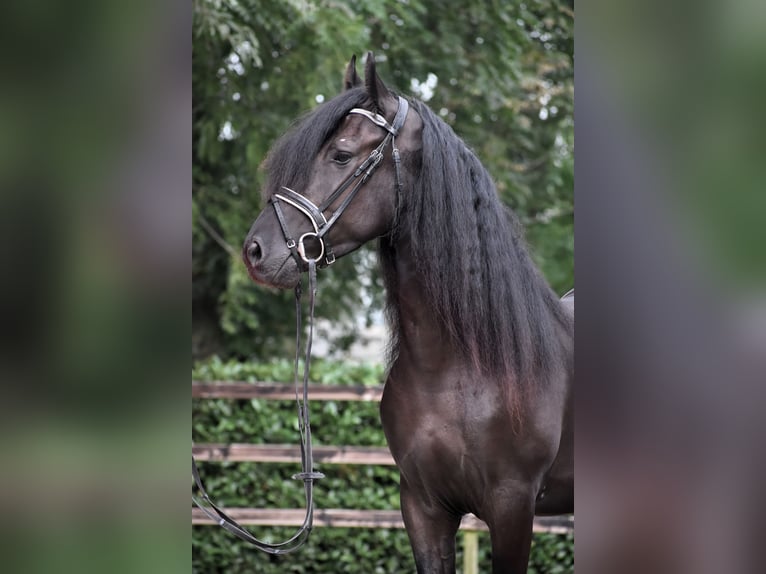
pixel 376 89
pixel 352 79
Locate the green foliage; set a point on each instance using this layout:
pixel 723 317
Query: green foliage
pixel 500 73
pixel 329 550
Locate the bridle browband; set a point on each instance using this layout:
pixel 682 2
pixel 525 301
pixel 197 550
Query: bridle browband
pixel 326 257
pixel 361 175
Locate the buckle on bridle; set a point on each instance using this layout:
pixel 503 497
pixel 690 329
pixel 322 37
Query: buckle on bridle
pixel 306 476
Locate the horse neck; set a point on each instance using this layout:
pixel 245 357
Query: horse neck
pixel 422 339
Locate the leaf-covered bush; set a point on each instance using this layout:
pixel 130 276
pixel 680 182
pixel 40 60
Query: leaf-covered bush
pixel 268 485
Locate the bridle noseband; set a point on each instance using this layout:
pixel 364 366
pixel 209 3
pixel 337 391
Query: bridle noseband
pixel 315 214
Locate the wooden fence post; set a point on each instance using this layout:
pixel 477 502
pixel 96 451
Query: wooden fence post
pixel 470 552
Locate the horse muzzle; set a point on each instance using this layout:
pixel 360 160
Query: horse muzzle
pixel 270 269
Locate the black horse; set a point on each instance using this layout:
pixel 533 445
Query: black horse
pixel 477 407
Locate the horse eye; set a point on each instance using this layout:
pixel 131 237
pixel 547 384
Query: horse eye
pixel 342 157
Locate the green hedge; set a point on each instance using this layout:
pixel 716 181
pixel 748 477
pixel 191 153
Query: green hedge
pixel 267 485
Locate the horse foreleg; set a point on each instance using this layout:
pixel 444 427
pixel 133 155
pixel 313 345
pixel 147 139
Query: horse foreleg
pixel 431 530
pixel 510 529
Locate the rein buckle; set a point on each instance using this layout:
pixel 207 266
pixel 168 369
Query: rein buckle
pixel 304 476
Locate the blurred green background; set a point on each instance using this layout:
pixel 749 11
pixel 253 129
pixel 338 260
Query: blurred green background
pixel 97 155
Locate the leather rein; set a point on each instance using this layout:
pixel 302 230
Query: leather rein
pixel 309 263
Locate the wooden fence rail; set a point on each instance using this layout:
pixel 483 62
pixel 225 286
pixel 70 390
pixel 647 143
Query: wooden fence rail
pixel 288 453
pixel 239 390
pixel 345 518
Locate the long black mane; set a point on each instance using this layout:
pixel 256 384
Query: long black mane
pixel 474 264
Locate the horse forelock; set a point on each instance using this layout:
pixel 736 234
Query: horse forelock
pixel 290 159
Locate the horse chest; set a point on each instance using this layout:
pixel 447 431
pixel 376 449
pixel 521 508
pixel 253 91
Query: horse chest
pixel 439 442
pixel 438 464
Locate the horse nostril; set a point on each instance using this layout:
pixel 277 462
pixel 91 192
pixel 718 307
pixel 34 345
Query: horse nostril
pixel 254 253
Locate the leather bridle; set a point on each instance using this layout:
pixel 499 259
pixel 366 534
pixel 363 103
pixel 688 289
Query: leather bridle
pixel 322 226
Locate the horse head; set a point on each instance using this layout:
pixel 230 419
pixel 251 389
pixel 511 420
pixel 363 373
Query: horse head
pixel 334 181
